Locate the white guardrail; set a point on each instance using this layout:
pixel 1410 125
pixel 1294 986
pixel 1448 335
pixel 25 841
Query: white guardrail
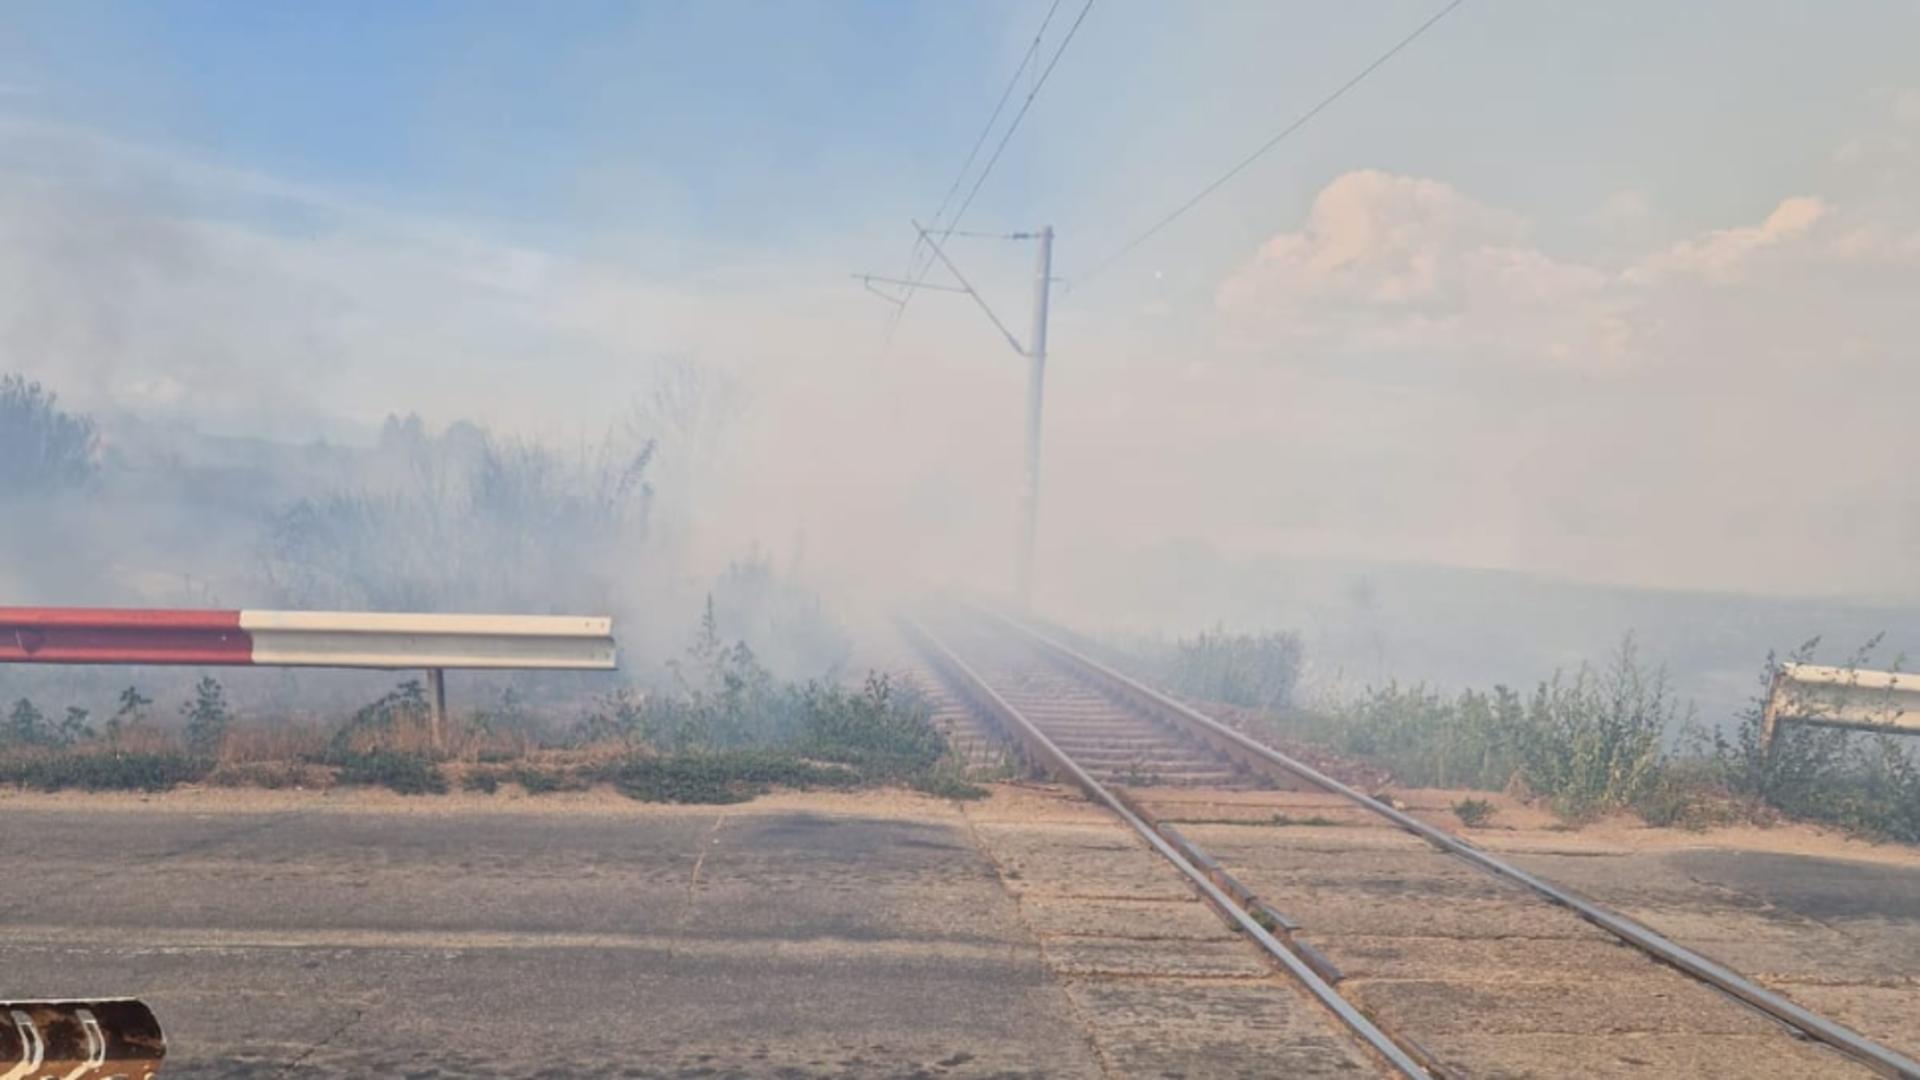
pixel 363 639
pixel 1884 701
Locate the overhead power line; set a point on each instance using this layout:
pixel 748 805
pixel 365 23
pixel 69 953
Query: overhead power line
pixel 915 268
pixel 1022 114
pixel 1304 118
pixel 1000 148
pixel 1006 95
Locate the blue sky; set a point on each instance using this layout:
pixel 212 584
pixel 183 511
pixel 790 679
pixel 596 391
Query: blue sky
pixel 1551 291
pixel 734 124
pixel 740 127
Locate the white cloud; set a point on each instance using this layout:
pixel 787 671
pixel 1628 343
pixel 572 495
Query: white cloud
pixel 1723 256
pixel 1693 415
pixel 1373 237
pixel 1406 263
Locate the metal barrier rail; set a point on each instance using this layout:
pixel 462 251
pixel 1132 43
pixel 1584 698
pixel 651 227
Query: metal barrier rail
pixel 1883 1060
pixel 1049 754
pixel 1882 701
pixel 341 639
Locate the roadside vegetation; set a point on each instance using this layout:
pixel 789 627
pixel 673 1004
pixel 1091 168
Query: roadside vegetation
pixel 725 731
pixel 1251 670
pixel 1602 739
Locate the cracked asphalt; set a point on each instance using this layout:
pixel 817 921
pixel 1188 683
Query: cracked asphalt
pixel 308 935
pixel 638 942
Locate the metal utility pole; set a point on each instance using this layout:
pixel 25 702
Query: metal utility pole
pixel 1036 393
pixel 1036 353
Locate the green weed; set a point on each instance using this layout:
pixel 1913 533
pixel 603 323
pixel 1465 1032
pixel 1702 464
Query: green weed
pixel 105 772
pixel 722 777
pixel 1473 813
pixel 408 774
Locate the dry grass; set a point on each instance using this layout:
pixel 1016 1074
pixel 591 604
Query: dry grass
pixel 264 744
pixel 142 739
pixel 273 775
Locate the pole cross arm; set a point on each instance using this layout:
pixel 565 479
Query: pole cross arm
pixel 967 287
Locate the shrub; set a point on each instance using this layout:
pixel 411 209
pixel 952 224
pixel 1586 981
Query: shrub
pixel 1590 743
pixel 883 731
pixel 27 726
pixel 272 775
pixel 1860 781
pixel 1475 740
pixel 1473 813
pixel 618 717
pixel 723 777
pixel 948 783
pixel 547 781
pixel 395 722
pixel 1594 743
pixel 1256 670
pixel 408 774
pixel 727 699
pixel 105 772
pixel 131 713
pixel 207 718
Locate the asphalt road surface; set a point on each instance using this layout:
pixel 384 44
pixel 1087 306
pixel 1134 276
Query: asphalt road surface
pixel 309 936
pixel 675 944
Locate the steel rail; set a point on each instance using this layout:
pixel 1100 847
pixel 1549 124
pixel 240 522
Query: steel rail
pixel 1881 1059
pixel 1016 722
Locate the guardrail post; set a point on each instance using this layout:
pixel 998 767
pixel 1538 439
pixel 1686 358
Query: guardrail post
pixel 1770 718
pixel 437 707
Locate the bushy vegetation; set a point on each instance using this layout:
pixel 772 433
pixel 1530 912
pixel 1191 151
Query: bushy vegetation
pixel 1589 743
pixel 1861 781
pixel 408 774
pixel 725 730
pixel 207 718
pixel 1473 813
pixel 26 726
pixel 724 776
pixel 1615 739
pixel 1253 670
pixel 104 772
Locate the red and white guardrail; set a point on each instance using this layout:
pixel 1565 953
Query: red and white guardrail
pixel 345 639
pixel 303 639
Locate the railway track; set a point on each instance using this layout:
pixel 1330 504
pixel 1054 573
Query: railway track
pixel 1436 957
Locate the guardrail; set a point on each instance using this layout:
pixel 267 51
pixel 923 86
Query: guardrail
pixel 342 639
pixel 1883 701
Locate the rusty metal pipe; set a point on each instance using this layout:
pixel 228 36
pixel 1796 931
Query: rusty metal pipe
pixel 80 1040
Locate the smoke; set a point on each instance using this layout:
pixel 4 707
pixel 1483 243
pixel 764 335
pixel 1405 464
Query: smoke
pixel 1401 349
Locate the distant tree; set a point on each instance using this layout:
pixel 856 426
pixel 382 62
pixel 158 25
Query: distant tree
pixel 41 447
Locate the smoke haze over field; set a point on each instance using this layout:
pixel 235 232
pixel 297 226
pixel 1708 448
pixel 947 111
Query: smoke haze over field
pixel 1637 315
